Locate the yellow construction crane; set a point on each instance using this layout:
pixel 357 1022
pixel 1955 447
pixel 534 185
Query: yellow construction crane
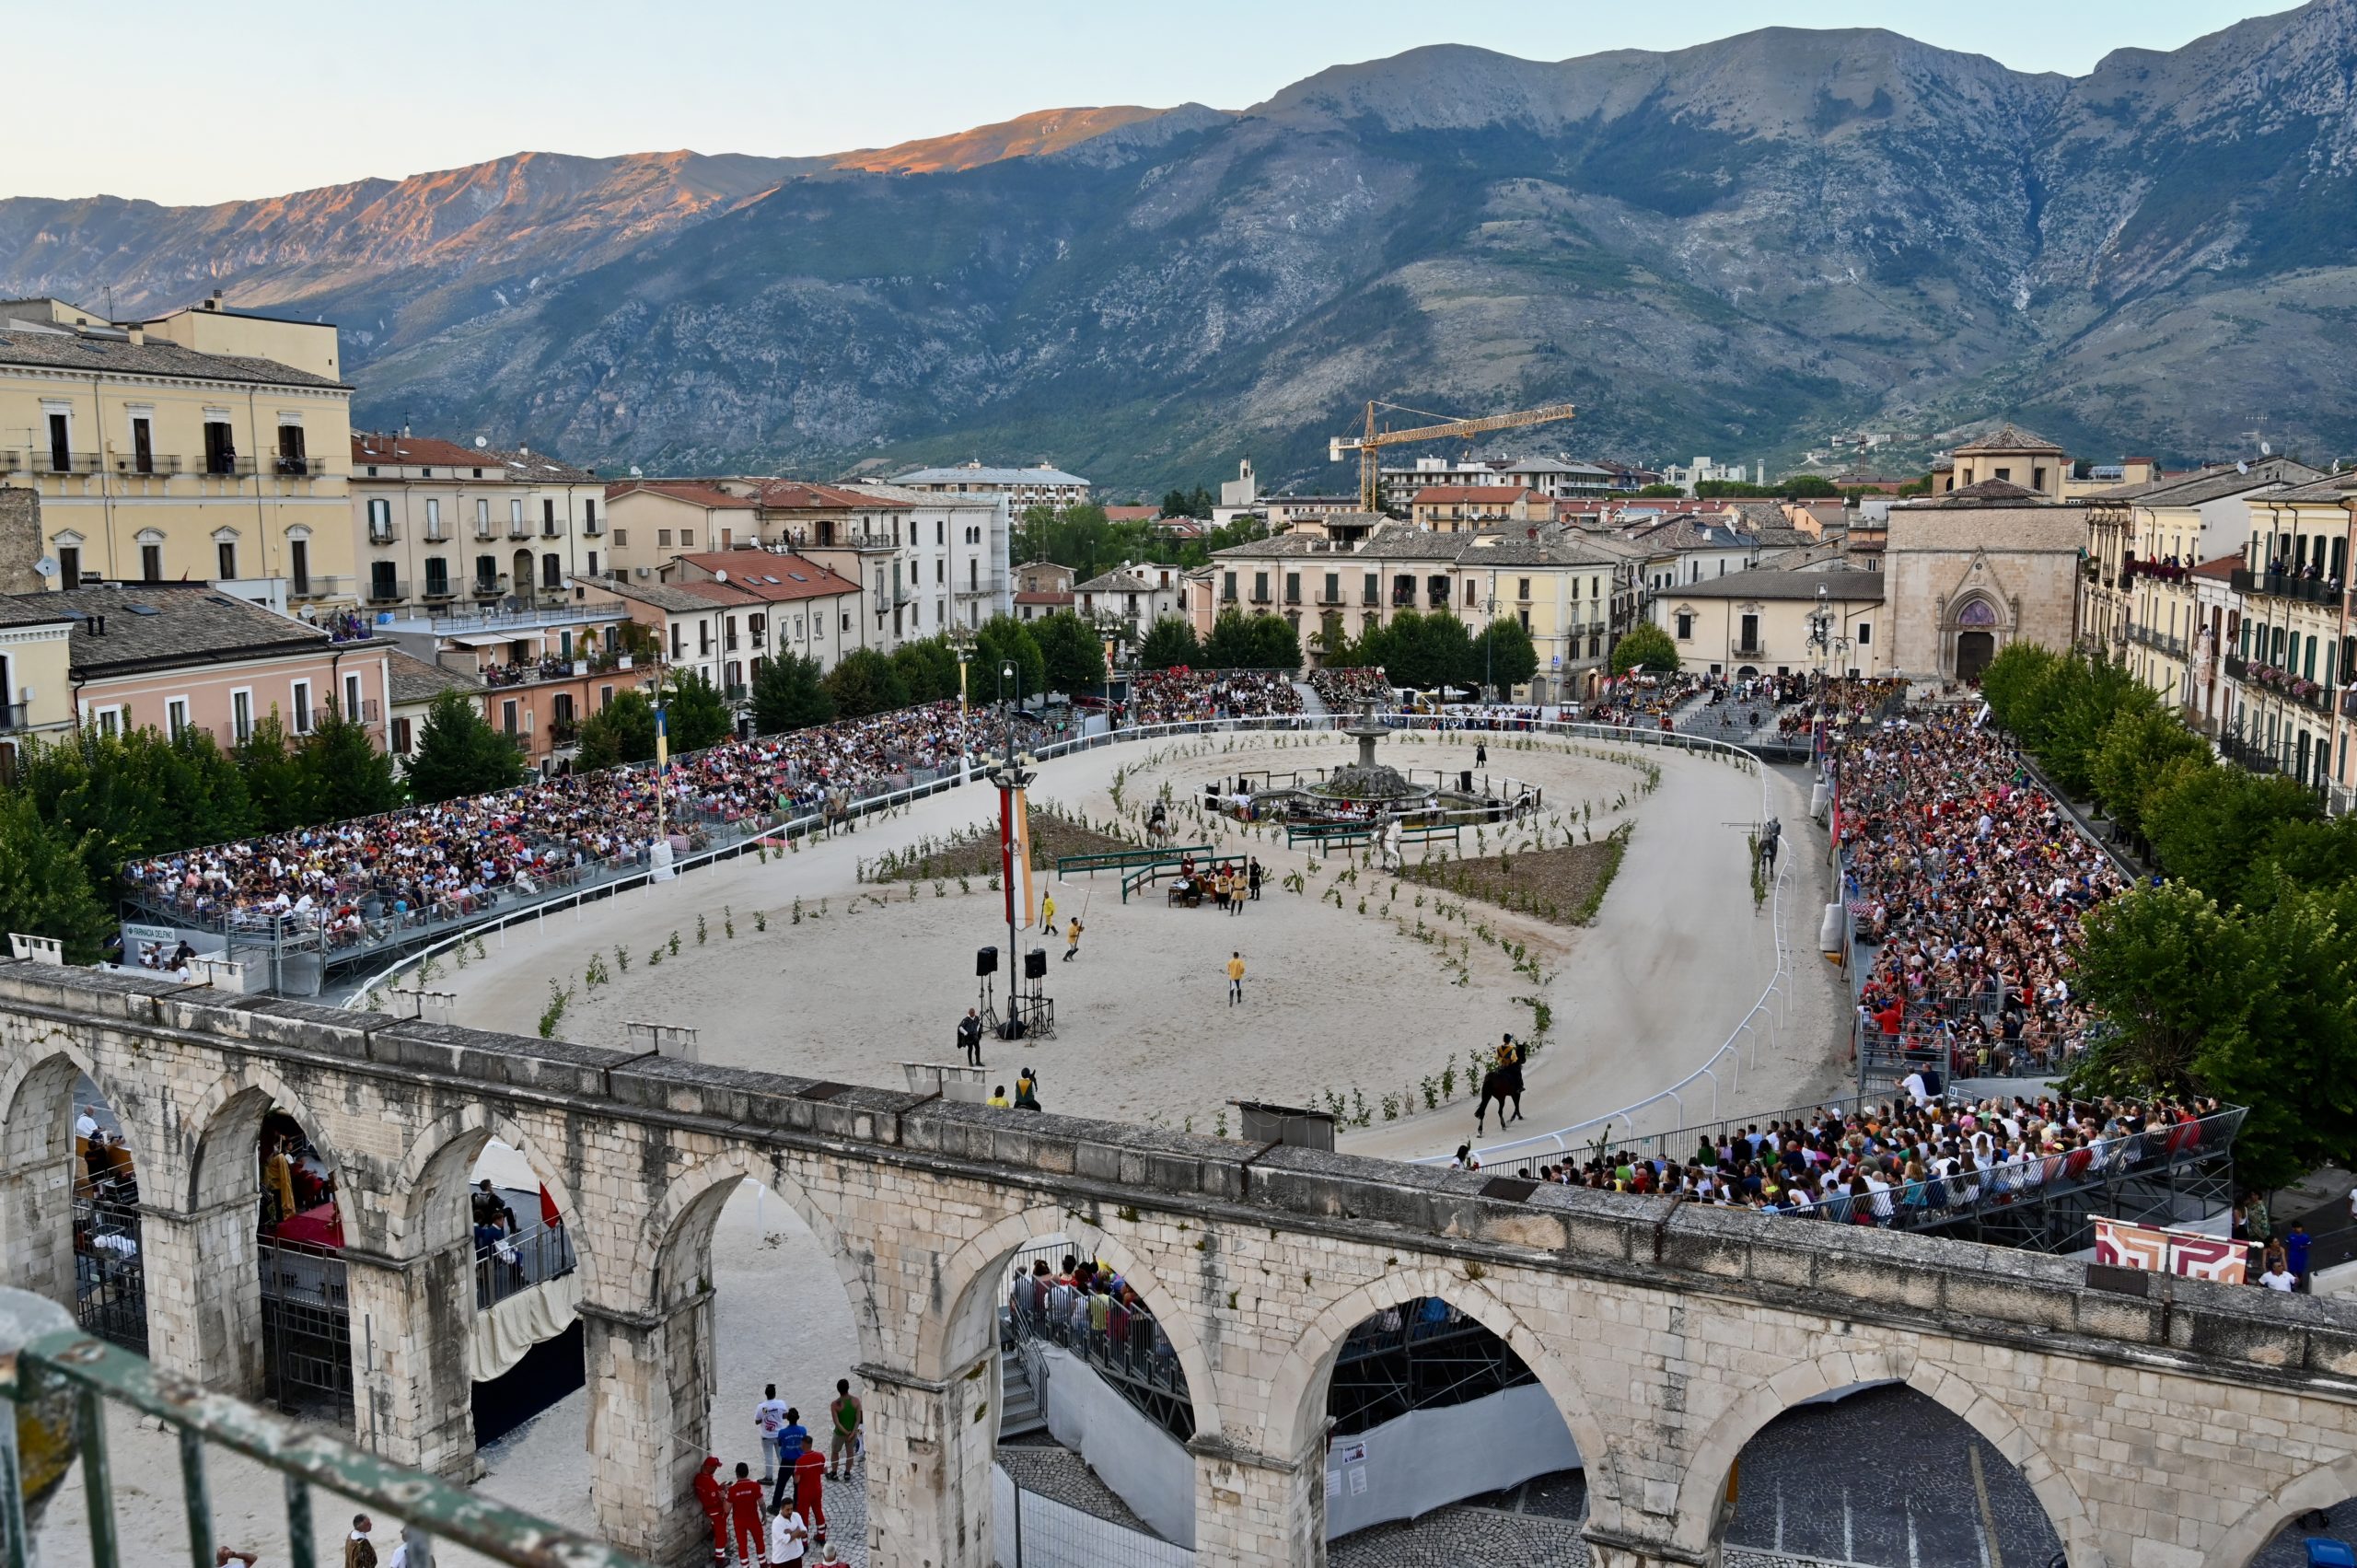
pixel 1371 443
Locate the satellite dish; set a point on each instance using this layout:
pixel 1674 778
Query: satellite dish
pixel 637 472
pixel 482 441
pixel 46 566
pixel 2266 450
pixel 2242 467
pixel 719 576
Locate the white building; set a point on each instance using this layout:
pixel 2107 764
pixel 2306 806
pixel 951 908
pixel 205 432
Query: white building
pixel 1040 485
pixel 1132 596
pixel 958 546
pixel 1702 470
pixel 1551 477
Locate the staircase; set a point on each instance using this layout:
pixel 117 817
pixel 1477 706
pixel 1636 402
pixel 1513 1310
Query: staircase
pixel 1019 1414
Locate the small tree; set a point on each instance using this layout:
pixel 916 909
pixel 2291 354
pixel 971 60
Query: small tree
pixel 1231 644
pixel 458 753
pixel 1504 654
pixel 1002 640
pixel 1169 643
pixel 621 731
pixel 790 693
pixel 45 889
pixel 865 682
pixel 694 713
pixel 1073 656
pixel 275 781
pixel 1647 647
pixel 347 776
pixel 1275 644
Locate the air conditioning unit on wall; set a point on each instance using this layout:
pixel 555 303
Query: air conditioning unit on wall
pixel 644 573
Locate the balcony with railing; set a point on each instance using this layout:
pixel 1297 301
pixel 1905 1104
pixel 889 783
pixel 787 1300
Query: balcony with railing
pixel 316 586
pixel 492 586
pixel 589 530
pixel 437 589
pixel 155 465
pixel 12 716
pixel 2237 667
pixel 384 533
pixel 387 590
pixel 519 528
pixel 2291 584
pixel 2159 571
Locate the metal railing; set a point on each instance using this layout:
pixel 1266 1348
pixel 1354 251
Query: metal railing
pixel 529 1258
pixel 387 590
pixel 61 1385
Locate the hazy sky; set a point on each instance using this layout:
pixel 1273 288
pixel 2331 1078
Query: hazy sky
pixel 245 99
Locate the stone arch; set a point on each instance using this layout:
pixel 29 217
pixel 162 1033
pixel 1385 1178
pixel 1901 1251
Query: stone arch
pixel 1296 1395
pixel 2322 1486
pixel 979 1265
pixel 45 1067
pixel 1712 1458
pixel 42 1181
pixel 426 1189
pixel 680 1224
pixel 224 1123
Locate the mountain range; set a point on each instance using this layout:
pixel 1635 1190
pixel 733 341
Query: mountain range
pixel 1740 249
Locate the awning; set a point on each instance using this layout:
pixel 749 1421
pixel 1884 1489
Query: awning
pixel 493 639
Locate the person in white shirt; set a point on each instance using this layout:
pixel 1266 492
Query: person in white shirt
pixel 85 1125
pixel 2277 1279
pixel 770 1417
pixel 1917 1090
pixel 787 1535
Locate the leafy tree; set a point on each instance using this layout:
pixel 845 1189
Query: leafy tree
pixel 790 693
pixel 2136 748
pixel 1074 659
pixel 2161 965
pixel 344 774
pixel 1169 643
pixel 45 883
pixel 207 795
pixel 276 778
pixel 928 668
pixel 2203 820
pixel 1645 646
pixel 1001 640
pixel 694 713
pixel 459 754
pixel 2013 683
pixel 1504 654
pixel 1231 644
pixel 865 682
pixel 621 731
pixel 1275 644
pixel 1809 487
pixel 1661 492
pixel 2085 697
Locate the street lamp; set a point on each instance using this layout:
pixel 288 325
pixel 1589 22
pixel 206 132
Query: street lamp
pixel 1490 645
pixel 1010 780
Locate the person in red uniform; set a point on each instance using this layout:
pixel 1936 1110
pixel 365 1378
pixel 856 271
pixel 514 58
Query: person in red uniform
pixel 708 1498
pixel 745 1516
pixel 809 1483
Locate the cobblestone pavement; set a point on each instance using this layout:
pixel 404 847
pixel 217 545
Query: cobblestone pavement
pixel 1886 1477
pixel 1053 1472
pixel 1536 1524
pixel 2289 1548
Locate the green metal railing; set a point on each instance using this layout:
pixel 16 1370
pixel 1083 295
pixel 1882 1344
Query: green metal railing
pixel 1147 875
pixel 89 1374
pixel 1325 835
pixel 1124 859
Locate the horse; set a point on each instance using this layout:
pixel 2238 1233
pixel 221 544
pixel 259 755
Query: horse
pixel 1500 1083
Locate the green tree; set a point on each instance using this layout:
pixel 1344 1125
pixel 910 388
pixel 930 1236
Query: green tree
pixel 1645 646
pixel 1001 640
pixel 928 668
pixel 2135 749
pixel 459 754
pixel 2012 685
pixel 276 778
pixel 790 693
pixel 2087 696
pixel 1073 657
pixel 1173 504
pixel 1503 654
pixel 865 682
pixel 2204 821
pixel 45 884
pixel 1445 651
pixel 694 713
pixel 1169 643
pixel 1275 644
pixel 344 774
pixel 1231 644
pixel 207 795
pixel 621 731
pixel 1662 491
pixel 1809 487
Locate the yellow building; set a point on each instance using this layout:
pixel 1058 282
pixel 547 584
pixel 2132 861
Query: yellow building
pixel 2292 653
pixel 1767 622
pixel 437 523
pixel 2013 456
pixel 204 446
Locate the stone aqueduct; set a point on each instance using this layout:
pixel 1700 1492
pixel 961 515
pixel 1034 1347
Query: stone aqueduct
pixel 2177 1428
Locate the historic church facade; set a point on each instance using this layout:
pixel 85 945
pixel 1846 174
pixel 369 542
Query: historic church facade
pixel 1990 563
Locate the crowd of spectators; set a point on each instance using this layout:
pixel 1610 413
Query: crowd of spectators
pixel 1087 1307
pixel 1971 884
pixel 1645 700
pixel 1342 691
pixel 1175 696
pixel 354 881
pixel 1912 1160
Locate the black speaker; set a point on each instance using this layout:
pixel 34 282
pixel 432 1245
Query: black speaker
pixel 1034 964
pixel 1465 781
pixel 985 960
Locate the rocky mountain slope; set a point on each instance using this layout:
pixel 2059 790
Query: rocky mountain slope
pixel 1734 249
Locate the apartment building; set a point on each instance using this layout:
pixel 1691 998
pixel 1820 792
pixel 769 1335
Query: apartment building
pixel 204 445
pixel 1128 600
pixel 1042 587
pixel 174 655
pixel 1564 590
pixel 959 550
pixel 2137 587
pixel 726 613
pixel 1040 485
pixel 1549 477
pixel 1765 622
pixel 2292 651
pixel 437 525
pixel 1457 508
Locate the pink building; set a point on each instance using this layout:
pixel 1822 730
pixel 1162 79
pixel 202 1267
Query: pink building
pixel 173 655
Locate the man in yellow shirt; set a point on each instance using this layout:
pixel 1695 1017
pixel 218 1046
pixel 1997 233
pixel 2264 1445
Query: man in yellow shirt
pixel 998 1100
pixel 1235 978
pixel 1047 911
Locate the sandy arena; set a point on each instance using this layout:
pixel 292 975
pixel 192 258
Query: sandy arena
pixel 1335 999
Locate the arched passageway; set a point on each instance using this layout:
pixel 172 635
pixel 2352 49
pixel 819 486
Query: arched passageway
pixel 73 1203
pixel 1884 1476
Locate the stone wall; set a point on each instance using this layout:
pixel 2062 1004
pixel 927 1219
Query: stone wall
pixel 19 539
pixel 2024 560
pixel 2160 1430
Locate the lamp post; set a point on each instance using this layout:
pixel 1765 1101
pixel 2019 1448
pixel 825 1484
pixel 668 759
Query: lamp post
pixel 1010 779
pixel 1490 645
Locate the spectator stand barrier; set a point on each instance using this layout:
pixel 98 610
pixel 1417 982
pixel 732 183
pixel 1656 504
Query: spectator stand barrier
pixel 625 873
pixel 1124 859
pixel 1137 1362
pixel 1147 877
pixel 1032 1530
